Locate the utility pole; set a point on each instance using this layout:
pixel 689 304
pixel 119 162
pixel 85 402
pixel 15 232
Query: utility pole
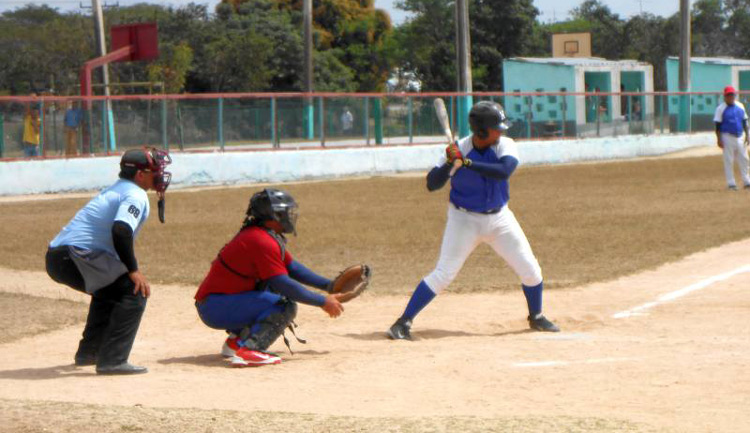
pixel 463 54
pixel 684 117
pixel 308 86
pixel 101 48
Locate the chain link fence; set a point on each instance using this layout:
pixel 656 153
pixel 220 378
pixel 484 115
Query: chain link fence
pixel 68 126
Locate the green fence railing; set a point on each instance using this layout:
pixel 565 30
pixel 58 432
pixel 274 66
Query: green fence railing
pixel 229 122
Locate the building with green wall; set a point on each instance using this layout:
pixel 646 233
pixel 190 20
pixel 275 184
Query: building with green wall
pixel 708 75
pixel 578 113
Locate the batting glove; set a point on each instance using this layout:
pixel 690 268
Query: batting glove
pixel 452 153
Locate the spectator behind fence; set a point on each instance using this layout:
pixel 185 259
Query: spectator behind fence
pixel 72 123
pixel 347 121
pixel 31 127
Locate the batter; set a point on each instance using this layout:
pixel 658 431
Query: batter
pixel 478 213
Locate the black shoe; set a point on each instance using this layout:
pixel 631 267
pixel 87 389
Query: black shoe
pixel 401 330
pixel 732 187
pixel 83 361
pixel 121 369
pixel 540 323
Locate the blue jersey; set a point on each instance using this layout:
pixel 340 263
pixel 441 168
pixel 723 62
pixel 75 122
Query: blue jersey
pixel 91 227
pixel 472 191
pixel 73 118
pixel 731 118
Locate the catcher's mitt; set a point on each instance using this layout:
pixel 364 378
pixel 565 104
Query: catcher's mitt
pixel 351 282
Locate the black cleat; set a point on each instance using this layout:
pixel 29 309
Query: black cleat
pixel 541 323
pixel 401 330
pixel 121 369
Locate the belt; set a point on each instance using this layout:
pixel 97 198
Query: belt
pixel 486 212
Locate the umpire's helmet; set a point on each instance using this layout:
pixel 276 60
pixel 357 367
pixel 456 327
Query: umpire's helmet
pixel 486 115
pixel 274 205
pixel 147 159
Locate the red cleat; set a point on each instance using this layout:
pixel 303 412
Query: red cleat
pixel 245 357
pixel 231 346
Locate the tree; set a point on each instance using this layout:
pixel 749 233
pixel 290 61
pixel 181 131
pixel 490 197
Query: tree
pixel 708 29
pixel 172 67
pixel 607 29
pixel 426 43
pixel 652 39
pixel 498 33
pixel 39 46
pixel 353 30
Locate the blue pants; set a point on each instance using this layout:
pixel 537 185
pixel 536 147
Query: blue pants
pixel 30 150
pixel 237 311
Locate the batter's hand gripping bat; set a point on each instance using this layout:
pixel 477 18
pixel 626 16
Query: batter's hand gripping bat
pixel 442 115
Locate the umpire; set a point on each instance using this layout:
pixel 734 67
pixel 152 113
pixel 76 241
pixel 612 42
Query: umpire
pixel 94 254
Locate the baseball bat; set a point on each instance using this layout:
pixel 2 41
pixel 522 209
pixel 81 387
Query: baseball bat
pixel 442 115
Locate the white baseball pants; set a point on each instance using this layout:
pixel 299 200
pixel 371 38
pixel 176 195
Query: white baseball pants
pixel 734 147
pixel 464 231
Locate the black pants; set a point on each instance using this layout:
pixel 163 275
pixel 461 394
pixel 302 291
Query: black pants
pixel 114 313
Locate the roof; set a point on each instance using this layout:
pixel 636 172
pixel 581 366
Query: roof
pixel 723 61
pixel 578 61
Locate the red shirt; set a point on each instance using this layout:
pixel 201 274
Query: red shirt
pixel 253 253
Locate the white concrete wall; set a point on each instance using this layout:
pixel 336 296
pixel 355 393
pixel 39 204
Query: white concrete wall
pixel 66 175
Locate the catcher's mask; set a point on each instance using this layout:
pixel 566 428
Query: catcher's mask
pixel 151 160
pixel 274 205
pixel 485 115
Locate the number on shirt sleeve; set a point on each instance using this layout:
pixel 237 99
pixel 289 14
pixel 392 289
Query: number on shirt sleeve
pixel 130 212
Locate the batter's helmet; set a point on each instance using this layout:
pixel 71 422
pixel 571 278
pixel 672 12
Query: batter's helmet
pixel 487 115
pixel 274 205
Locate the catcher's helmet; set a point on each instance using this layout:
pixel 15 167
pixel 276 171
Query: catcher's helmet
pixel 149 159
pixel 274 205
pixel 487 115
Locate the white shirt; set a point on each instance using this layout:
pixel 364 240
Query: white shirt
pixel 91 227
pixel 347 119
pixel 506 146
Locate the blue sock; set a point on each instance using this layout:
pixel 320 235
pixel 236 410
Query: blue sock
pixel 419 299
pixel 534 298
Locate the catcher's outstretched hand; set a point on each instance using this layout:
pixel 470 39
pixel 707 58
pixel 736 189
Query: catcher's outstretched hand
pixel 332 306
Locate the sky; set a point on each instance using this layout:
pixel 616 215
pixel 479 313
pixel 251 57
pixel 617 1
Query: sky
pixel 551 10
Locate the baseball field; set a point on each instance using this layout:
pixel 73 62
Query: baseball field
pixel 646 268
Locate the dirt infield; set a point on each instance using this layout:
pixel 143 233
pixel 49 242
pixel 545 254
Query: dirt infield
pixel 586 223
pixel 681 365
pixel 655 350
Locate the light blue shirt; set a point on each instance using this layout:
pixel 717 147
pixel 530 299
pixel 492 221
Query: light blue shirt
pixel 91 227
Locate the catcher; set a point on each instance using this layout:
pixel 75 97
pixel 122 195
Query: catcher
pixel 253 286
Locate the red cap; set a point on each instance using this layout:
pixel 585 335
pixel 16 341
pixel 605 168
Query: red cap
pixel 729 90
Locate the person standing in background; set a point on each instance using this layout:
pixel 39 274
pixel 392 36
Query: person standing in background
pixel 72 123
pixel 347 121
pixel 31 128
pixel 732 137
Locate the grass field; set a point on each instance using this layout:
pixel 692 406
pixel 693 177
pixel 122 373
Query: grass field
pixel 585 223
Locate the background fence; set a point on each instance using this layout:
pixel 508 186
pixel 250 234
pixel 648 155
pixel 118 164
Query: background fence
pixel 211 122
